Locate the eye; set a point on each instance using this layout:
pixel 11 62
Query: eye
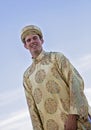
pixel 35 38
pixel 28 40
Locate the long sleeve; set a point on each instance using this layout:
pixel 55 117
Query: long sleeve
pixel 36 121
pixel 78 101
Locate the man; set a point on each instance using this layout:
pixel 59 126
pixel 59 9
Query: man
pixel 54 89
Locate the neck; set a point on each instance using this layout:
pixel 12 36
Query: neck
pixel 35 54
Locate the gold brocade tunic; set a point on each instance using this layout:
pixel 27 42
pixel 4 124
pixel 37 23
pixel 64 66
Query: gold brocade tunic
pixel 54 89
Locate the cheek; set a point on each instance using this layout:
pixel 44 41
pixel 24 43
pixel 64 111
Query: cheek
pixel 40 45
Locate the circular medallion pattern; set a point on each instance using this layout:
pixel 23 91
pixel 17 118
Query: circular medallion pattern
pixel 50 105
pixel 37 95
pixel 55 73
pixel 40 76
pixel 52 125
pixel 52 87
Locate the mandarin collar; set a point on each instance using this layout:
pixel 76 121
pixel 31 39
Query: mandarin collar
pixel 39 57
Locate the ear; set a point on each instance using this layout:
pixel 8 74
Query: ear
pixel 25 45
pixel 42 41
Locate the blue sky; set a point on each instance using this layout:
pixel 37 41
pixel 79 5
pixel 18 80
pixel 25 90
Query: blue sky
pixel 66 25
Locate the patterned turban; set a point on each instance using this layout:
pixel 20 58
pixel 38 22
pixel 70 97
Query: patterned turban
pixel 30 29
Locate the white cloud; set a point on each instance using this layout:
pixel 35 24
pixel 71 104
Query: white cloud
pixel 9 96
pixel 15 117
pixel 14 120
pixel 18 120
pixel 84 63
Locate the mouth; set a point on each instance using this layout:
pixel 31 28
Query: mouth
pixel 34 46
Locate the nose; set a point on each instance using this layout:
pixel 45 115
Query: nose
pixel 32 40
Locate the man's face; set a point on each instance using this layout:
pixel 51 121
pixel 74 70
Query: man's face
pixel 33 43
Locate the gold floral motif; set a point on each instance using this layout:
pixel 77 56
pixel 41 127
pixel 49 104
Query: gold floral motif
pixel 36 122
pixel 40 76
pixel 64 62
pixel 51 125
pixel 52 87
pixel 65 104
pixel 31 69
pixel 50 105
pixel 37 95
pixel 63 116
pixel 55 73
pixel 29 102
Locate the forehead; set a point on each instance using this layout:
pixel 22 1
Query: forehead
pixel 31 35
